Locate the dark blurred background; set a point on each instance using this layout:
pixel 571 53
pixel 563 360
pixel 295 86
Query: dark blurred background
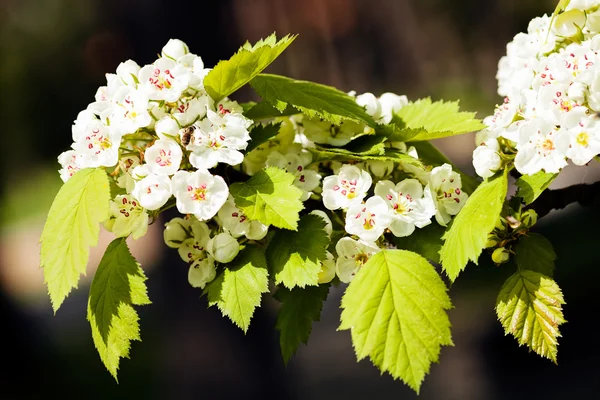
pixel 54 54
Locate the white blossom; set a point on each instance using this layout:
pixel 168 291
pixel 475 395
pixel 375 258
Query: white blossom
pixel 129 111
pixel 352 255
pixel 163 157
pixel 445 188
pixel 327 272
pixel 368 220
pixel 584 141
pixel 128 217
pixel 202 272
pixel 236 222
pixel 164 80
pixel 97 145
pixel 486 158
pixel 348 187
pixel 175 49
pixel 199 193
pixel 153 191
pixel 223 247
pixel 542 146
pixel 69 164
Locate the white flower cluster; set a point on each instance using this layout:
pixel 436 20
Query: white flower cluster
pixel 550 78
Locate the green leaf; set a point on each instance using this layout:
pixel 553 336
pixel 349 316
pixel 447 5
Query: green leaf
pixel 228 76
pixel 312 99
pixel 395 310
pixel 531 186
pixel 535 253
pixel 264 110
pixel 295 258
pixel 427 120
pixel 270 197
pixel 529 307
pixel 237 291
pixel 71 228
pixel 426 241
pixel 261 133
pixel 117 286
pixel 430 155
pixel 468 233
pixel 300 308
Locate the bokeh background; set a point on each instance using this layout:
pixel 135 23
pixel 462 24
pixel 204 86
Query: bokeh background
pixel 54 54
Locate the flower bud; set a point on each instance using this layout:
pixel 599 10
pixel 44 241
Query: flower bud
pixel 175 49
pixel 174 233
pixel 569 24
pixel 529 218
pixel 327 269
pixel 492 241
pixel 500 255
pixel 223 247
pixel 486 159
pixel 379 169
pixel 325 217
pixel 201 272
pixel 513 222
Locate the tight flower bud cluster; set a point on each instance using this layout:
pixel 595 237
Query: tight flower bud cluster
pixel 550 78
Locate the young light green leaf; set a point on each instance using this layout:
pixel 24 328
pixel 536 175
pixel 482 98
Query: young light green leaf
pixel 427 120
pixel 71 228
pixel 270 197
pixel 295 258
pixel 529 307
pixel 468 233
pixel 535 253
pixel 228 76
pixel 395 310
pixel 261 133
pixel 265 110
pixel 531 186
pixel 430 155
pixel 313 99
pixel 238 289
pixel 300 308
pixel 426 241
pixel 117 286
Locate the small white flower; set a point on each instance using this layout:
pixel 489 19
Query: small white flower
pixel 486 158
pixel 163 157
pixel 321 131
pixel 352 255
pixel 175 49
pixel 379 169
pixel 368 220
pixel 167 128
pixel 236 222
pixel 408 205
pixel 370 103
pixel 327 269
pixel 129 111
pixel 390 104
pixel 126 166
pixel 541 147
pixel 153 191
pixel 68 161
pixel 199 193
pixel 128 217
pixel 445 188
pixel 348 187
pixel 188 110
pixel 223 247
pixel 202 272
pixel 164 80
pixel 128 71
pixel 584 141
pixel 97 146
pixel 195 247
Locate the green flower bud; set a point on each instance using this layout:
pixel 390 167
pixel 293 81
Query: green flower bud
pixel 223 247
pixel 569 24
pixel 175 232
pixel 500 255
pixel 529 218
pixel 379 169
pixel 201 272
pixel 492 241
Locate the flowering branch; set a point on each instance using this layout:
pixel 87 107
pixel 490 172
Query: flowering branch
pixel 587 195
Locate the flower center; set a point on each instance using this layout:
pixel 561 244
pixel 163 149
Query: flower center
pixel 547 146
pixel 583 139
pixel 197 193
pixel 347 188
pixel 361 258
pixel 161 79
pixel 164 158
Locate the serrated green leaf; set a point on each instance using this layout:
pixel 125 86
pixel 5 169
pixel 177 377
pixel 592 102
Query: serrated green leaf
pixel 294 322
pixel 118 285
pixel 531 186
pixel 395 310
pixel 237 291
pixel 71 228
pixel 468 233
pixel 430 155
pixel 228 76
pixel 261 133
pixel 529 307
pixel 535 253
pixel 295 258
pixel 312 99
pixel 270 197
pixel 264 110
pixel 426 241
pixel 427 120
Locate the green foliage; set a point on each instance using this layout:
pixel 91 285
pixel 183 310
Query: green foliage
pixel 531 186
pixel 228 76
pixel 529 307
pixel 312 99
pixel 395 310
pixel 270 197
pixel 300 308
pixel 264 110
pixel 117 286
pixel 71 228
pixel 295 258
pixel 261 133
pixel 469 231
pixel 430 155
pixel 426 241
pixel 535 253
pixel 238 289
pixel 426 120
